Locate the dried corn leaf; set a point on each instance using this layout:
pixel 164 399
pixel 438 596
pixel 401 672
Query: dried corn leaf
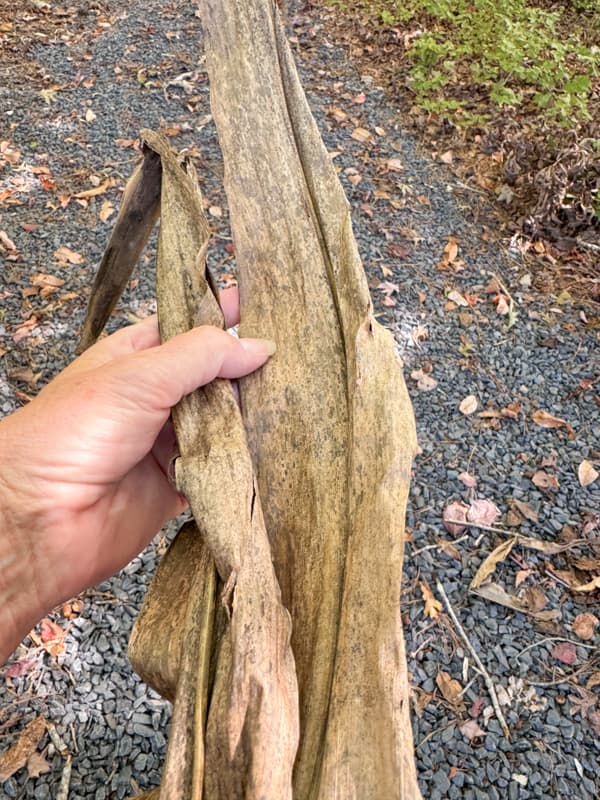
pixel 329 421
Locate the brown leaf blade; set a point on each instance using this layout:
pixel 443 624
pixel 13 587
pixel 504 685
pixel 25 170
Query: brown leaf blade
pixel 490 563
pixel 15 758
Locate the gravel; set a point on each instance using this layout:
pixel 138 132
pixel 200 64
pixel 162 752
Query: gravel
pixel 405 207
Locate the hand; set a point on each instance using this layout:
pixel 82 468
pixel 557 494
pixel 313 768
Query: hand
pixel 84 467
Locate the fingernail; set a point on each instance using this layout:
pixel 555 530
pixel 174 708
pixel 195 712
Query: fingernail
pixel 259 346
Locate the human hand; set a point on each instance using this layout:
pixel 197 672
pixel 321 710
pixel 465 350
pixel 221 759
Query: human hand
pixel 84 467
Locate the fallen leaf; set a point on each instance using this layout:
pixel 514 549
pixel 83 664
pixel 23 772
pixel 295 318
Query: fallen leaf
pixel 594 720
pixel 582 704
pixel 432 606
pixel 394 165
pixel 477 707
pixel 457 512
pixel 468 405
pixel 6 241
pixel 450 688
pixel 106 211
pixel 19 668
pixel 528 512
pixel 471 730
pixel 564 652
pixel 584 625
pixel 424 381
pixel 13 759
pixel 591 586
pixel 457 297
pixel 489 564
pixel 361 135
pixel 522 575
pixel 448 548
pixel 96 190
pixel 37 765
pixel 546 420
pixel 483 512
pixel 447 157
pixel 468 480
pixel 502 305
pixel 593 680
pixel 89 115
pixel 534 599
pixel 360 98
pixel 586 473
pixel 65 256
pixel 544 480
pixel 496 594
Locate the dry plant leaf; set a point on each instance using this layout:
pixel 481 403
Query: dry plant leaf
pixel 594 720
pixel 453 516
pixel 13 759
pixel 534 599
pixel 522 575
pixel 64 256
pixel 546 420
pixel 526 510
pixel 450 688
pixel 424 381
pixel 448 548
pixel 101 189
pixel 483 512
pixel 593 680
pixel 361 135
pixel 564 652
pixel 490 563
pixel 586 473
pixel 37 765
pixel 550 548
pixel 584 625
pixel 432 606
pixel 591 586
pixel 497 594
pixel 468 405
pixel 471 730
pixel 106 211
pixel 543 480
pixel 468 480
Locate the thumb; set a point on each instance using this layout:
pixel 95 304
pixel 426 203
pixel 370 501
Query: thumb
pixel 162 375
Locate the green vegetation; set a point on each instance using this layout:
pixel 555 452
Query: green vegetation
pixel 468 56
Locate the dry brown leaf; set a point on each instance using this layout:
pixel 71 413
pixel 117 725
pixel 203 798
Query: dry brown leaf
pixel 483 512
pixel 424 381
pixel 468 480
pixel 394 165
pixel 106 211
pixel 490 563
pixel 450 688
pixel 361 135
pixel 496 594
pixel 584 625
pixel 453 516
pixel 522 575
pixel 468 405
pixel 65 255
pixel 432 606
pixel 44 280
pixel 591 586
pixel 546 420
pixel 450 550
pixel 458 298
pixel 594 720
pixel 593 680
pixel 586 473
pixel 543 480
pixel 544 547
pixel 564 652
pixel 528 511
pixel 13 759
pixel 37 765
pixel 502 305
pixel 101 189
pixel 534 599
pixel 6 241
pixel 471 730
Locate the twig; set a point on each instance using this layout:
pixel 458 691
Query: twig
pixel 488 681
pixel 436 545
pixel 554 639
pixel 518 536
pixel 589 245
pixel 65 780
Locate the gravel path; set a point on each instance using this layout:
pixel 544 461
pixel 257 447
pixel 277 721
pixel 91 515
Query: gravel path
pixel 70 100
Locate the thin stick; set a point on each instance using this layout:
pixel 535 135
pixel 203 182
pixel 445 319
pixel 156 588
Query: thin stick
pixel 488 681
pixel 65 780
pixel 554 639
pixel 437 545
